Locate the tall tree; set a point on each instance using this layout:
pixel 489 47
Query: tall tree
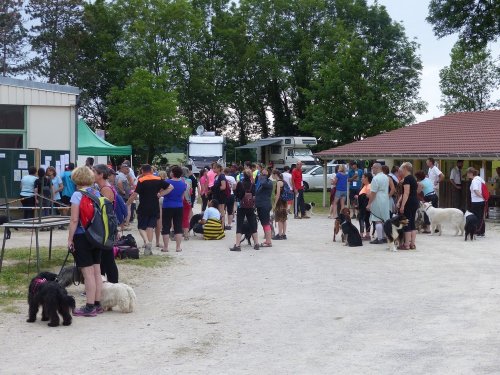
pixel 477 21
pixel 50 20
pixel 145 114
pixel 12 37
pixel 467 83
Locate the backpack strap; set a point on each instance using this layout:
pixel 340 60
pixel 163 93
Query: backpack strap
pixel 91 196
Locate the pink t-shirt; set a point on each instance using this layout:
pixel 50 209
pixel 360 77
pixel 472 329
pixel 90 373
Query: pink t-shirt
pixel 203 185
pixel 211 178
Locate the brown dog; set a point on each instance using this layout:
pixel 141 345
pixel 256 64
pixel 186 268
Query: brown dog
pixel 345 215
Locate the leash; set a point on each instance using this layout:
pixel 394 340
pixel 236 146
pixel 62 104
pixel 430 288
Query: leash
pixel 70 251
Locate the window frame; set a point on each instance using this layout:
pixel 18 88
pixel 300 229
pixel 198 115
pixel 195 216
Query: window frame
pixel 23 132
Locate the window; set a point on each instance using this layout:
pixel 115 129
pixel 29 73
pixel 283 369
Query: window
pixel 289 152
pixel 319 170
pixel 11 117
pixel 288 141
pixel 11 141
pixel 12 126
pixel 276 150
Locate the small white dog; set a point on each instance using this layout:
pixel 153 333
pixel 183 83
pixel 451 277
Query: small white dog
pixel 118 294
pixel 447 216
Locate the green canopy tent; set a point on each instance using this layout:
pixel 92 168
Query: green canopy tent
pixel 90 144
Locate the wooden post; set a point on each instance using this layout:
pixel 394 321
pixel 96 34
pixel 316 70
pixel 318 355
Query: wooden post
pixel 325 181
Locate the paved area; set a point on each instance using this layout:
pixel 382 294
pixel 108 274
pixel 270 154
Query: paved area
pixel 304 306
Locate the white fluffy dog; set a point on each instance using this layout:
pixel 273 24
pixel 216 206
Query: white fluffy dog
pixel 118 294
pixel 447 216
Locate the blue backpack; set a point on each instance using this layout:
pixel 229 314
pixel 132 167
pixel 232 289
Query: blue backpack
pixel 120 208
pixel 287 193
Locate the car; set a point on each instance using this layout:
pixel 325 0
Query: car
pixel 312 177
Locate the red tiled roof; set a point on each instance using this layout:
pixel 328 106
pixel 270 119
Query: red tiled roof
pixel 459 135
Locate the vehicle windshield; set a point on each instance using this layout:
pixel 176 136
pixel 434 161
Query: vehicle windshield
pixel 307 168
pixel 302 152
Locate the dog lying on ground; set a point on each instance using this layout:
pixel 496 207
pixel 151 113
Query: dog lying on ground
pixel 45 291
pixel 351 233
pixel 118 295
pixel 444 216
pixel 194 225
pixel 393 229
pixel 471 225
pixel 344 213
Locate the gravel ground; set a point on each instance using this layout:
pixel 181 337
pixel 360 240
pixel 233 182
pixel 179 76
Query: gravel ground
pixel 304 306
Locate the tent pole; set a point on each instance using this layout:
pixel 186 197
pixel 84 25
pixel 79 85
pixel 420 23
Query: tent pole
pixel 325 179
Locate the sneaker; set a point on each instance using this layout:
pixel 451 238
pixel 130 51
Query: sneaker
pixel 148 250
pixel 256 247
pixel 297 217
pixel 306 217
pixel 277 237
pixel 376 241
pixel 227 227
pixel 283 237
pixel 85 311
pixel 235 248
pixel 99 309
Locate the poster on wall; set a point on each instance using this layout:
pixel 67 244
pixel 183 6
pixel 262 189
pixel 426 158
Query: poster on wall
pixel 17 175
pixel 22 164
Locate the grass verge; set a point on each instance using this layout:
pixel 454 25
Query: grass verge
pixel 19 268
pixel 317 198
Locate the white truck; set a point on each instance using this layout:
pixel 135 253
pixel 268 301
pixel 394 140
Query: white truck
pixel 281 151
pixel 206 148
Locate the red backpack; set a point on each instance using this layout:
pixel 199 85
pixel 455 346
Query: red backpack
pixel 485 192
pixel 86 211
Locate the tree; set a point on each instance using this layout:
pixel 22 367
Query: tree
pixel 12 37
pixel 477 21
pixel 467 84
pixel 50 20
pixel 145 114
pixel 367 80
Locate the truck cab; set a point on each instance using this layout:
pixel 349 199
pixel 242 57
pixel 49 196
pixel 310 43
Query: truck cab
pixel 205 149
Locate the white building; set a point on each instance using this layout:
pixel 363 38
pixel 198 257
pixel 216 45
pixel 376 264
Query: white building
pixel 36 115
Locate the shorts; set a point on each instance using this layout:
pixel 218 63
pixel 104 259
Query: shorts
pixel 85 254
pixel 145 222
pixel 352 194
pixel 222 198
pixel 172 216
pixel 230 205
pixel 340 194
pixel 66 200
pixel 264 215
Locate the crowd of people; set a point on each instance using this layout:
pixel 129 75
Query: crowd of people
pixel 166 200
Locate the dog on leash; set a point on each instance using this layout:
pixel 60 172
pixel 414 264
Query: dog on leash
pixel 45 291
pixel 419 220
pixel 393 229
pixel 471 225
pixel 351 233
pixel 118 295
pixel 444 216
pixel 309 208
pixel 246 232
pixel 344 214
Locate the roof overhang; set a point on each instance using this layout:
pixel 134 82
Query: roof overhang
pixel 410 156
pixel 8 81
pixel 261 143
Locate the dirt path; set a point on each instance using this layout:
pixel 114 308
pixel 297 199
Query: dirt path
pixel 305 306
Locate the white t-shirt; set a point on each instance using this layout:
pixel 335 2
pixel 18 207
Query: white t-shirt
pixel 211 213
pixel 232 183
pixel 434 174
pixel 476 185
pixel 456 176
pixel 287 177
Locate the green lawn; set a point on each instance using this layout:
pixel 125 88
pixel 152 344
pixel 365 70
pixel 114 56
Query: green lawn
pixel 317 198
pixel 19 268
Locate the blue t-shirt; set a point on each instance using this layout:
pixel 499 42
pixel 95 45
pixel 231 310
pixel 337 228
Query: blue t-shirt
pixel 341 181
pixel 427 186
pixel 174 198
pixel 355 185
pixel 211 213
pixel 56 182
pixel 28 186
pixel 69 186
pixel 76 198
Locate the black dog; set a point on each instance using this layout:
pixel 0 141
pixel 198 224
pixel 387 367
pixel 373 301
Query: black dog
pixel 393 229
pixel 471 225
pixel 4 220
pixel 44 290
pixel 194 225
pixel 246 232
pixel 351 233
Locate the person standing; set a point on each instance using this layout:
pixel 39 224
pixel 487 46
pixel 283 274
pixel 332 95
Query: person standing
pixel 204 189
pixel 149 188
pixel 280 206
pixel 379 203
pixel 43 189
pixel 478 203
pixel 194 184
pixel 298 189
pixel 231 181
pixel 187 209
pixel 27 194
pixel 219 191
pixel 456 185
pixel 354 179
pixel 173 206
pixel 426 189
pixel 245 194
pixel 108 264
pixel 496 180
pixel 287 177
pixel 408 205
pixel 364 214
pixel 263 192
pixel 124 188
pixel 69 186
pixel 435 175
pixel 340 182
pixel 87 256
pixel 211 180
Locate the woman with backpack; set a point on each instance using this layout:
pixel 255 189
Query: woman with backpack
pixel 280 206
pixel 245 194
pixel 108 264
pixel 263 204
pixel 87 256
